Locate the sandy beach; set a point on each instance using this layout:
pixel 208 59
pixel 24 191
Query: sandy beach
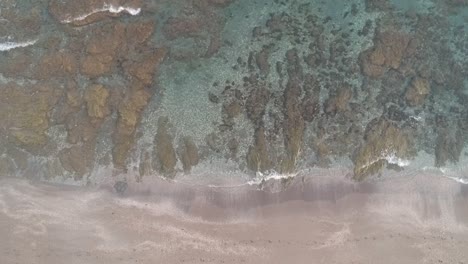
pixel 418 219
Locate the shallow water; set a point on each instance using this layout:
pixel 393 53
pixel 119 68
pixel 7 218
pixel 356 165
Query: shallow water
pixel 180 88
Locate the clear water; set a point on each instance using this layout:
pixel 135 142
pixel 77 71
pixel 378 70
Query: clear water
pixel 205 86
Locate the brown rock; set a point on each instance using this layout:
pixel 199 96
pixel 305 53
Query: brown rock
pixel 145 167
pixel 107 39
pixel 214 142
pixel 130 110
pixel 176 27
pixel 256 103
pixel 417 92
pixel 15 64
pixel 120 151
pixel 203 22
pixel 310 107
pixel 69 104
pixel 138 33
pixel 58 64
pixel 294 125
pixel 262 61
pixel 233 146
pixel 104 47
pixel 449 146
pixel 213 98
pixel 141 70
pixel 73 96
pixel 24 113
pixel 97 65
pixel 258 157
pixel 165 153
pixel 96 101
pixel 388 52
pixel 188 154
pixel 54 168
pixel 129 117
pixel 26 22
pixel 81 128
pixel 145 68
pixel 78 159
pixel 322 150
pixel 311 99
pixel 382 140
pixel 216 42
pixel 393 45
pixel 232 109
pixel 368 68
pixel 339 101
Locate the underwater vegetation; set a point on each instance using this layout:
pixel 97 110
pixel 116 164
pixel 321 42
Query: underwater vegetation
pixel 162 87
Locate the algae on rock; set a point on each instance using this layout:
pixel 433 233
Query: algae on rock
pixel 24 113
pixel 449 146
pixel 188 154
pixel 166 159
pixel 258 156
pixel 96 98
pixel 383 142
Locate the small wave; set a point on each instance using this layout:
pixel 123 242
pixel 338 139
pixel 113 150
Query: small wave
pixel 458 179
pixel 261 178
pixel 9 45
pixel 393 159
pixel 450 173
pixel 106 8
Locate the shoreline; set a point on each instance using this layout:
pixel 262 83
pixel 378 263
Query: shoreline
pixel 421 219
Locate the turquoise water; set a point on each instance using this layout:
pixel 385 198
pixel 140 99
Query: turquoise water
pixel 216 92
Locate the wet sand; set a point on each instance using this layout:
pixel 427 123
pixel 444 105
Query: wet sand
pixel 417 219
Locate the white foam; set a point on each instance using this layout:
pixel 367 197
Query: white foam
pixel 271 176
pixel 459 179
pixel 9 45
pixel 393 159
pixel 106 8
pixel 452 173
pixel 390 157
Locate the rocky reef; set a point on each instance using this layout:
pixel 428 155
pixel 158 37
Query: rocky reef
pixel 147 88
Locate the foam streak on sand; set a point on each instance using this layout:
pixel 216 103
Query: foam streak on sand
pixel 106 8
pixel 9 45
pixel 400 220
pixel 459 179
pixel 272 176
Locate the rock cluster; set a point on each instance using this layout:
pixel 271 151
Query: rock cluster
pixel 166 158
pixel 389 49
pixel 71 91
pixel 300 94
pixel 384 142
pixel 417 92
pixel 201 23
pixel 188 154
pixel 24 113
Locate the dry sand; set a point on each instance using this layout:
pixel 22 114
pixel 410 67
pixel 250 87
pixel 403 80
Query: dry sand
pixel 416 219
